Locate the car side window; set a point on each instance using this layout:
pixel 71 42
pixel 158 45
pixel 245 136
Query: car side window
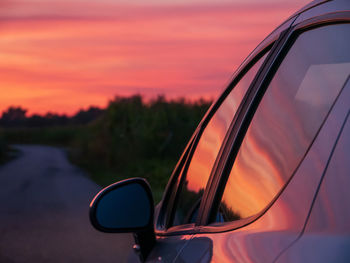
pixel 291 112
pixel 204 156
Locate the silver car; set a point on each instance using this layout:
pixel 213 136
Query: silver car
pixel 266 175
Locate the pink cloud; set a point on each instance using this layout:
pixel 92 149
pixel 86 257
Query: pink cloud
pixel 95 53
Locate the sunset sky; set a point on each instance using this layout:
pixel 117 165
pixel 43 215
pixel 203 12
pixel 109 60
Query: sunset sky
pixel 61 56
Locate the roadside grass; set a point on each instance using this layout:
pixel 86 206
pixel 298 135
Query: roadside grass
pixel 7 153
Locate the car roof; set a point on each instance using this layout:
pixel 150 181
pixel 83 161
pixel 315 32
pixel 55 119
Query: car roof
pixel 309 6
pixel 320 7
pixel 312 9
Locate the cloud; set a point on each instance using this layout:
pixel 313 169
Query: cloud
pixel 91 54
pixel 122 11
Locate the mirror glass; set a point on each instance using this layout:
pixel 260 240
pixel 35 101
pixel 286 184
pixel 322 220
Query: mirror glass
pixel 127 206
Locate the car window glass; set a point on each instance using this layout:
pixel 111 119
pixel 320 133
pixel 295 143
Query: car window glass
pixel 291 112
pixel 207 149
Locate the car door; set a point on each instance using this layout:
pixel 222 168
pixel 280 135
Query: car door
pixel 178 212
pixel 326 234
pixel 261 196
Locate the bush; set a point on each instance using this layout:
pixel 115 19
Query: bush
pixel 138 139
pixel 131 138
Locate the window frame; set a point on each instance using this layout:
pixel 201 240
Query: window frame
pixel 238 133
pixel 167 207
pixel 173 190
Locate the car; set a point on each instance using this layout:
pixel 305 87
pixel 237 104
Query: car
pixel 266 175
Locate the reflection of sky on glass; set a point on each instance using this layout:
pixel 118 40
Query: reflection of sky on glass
pixel 209 145
pixel 213 136
pixel 285 219
pixel 336 75
pixel 287 119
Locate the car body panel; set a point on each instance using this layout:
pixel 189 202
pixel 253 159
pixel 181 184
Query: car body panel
pixel 325 8
pixel 167 249
pixel 310 5
pixel 325 238
pixel 267 237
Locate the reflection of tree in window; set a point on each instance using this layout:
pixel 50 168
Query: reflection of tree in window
pixel 227 213
pixel 190 204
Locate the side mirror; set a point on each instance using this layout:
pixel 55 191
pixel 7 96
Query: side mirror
pixel 126 207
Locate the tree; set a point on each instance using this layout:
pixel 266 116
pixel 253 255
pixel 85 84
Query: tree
pixel 13 116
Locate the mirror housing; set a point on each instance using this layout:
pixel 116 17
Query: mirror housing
pixel 126 207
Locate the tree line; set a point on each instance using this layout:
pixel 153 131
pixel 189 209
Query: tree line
pixel 130 138
pixel 16 116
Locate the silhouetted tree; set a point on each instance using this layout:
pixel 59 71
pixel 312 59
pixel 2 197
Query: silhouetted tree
pixel 16 117
pixel 86 116
pixel 13 116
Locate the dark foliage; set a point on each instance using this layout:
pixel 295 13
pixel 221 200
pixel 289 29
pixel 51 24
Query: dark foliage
pixel 3 149
pixel 131 138
pixel 86 116
pixel 15 117
pixel 138 139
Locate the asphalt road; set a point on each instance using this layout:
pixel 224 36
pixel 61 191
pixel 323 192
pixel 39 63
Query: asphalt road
pixel 44 204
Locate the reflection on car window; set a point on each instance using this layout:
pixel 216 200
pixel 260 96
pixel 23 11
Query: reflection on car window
pixel 207 149
pixel 291 112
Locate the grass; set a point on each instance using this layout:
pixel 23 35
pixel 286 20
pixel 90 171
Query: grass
pixel 7 154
